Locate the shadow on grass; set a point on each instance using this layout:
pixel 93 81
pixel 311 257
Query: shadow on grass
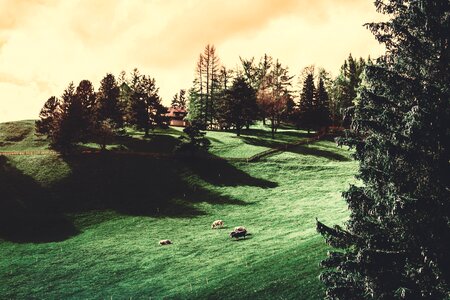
pixel 220 172
pixel 155 143
pixel 300 149
pixel 135 185
pixel 26 211
pixel 305 150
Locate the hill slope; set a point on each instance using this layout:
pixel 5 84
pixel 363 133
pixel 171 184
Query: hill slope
pixel 88 226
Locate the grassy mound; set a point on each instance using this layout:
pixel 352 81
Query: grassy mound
pixel 88 226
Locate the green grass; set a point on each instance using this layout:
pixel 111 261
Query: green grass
pixel 251 142
pixel 88 226
pixel 19 136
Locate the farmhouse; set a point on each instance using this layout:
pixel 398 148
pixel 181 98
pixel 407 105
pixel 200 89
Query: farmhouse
pixel 176 116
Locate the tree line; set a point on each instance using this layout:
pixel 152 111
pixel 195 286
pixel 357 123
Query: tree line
pixel 83 115
pixel 224 99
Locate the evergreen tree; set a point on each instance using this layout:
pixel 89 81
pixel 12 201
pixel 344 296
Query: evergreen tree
pixel 174 102
pixel 179 100
pixel 182 102
pixel 395 244
pixel 345 89
pixel 194 105
pixel 322 112
pixel 108 104
pixel 48 117
pixel 307 105
pixel 193 141
pixel 138 114
pixel 68 130
pixel 145 110
pixel 238 102
pixel 86 98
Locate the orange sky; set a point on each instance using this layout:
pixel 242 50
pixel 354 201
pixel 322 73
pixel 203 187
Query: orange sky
pixel 45 44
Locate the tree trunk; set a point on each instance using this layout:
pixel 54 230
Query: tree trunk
pixel 273 128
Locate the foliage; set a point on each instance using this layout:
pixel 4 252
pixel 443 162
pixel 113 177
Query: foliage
pixel 145 110
pixel 307 105
pixel 395 244
pixel 71 125
pixel 47 117
pixel 238 105
pixel 204 93
pixel 194 141
pixel 322 112
pixel 343 90
pixel 108 106
pixel 179 100
pixel 273 95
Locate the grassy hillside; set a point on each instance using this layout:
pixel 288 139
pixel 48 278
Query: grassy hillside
pixel 88 226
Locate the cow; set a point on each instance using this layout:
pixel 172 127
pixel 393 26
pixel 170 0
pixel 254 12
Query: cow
pixel 239 233
pixel 165 242
pixel 217 224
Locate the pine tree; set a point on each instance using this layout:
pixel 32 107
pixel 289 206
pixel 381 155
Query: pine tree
pixel 396 242
pixel 145 109
pixel 138 114
pixel 238 102
pixel 174 102
pixel 182 102
pixel 345 88
pixel 86 98
pixel 67 129
pixel 108 106
pixel 322 112
pixel 307 105
pixel 48 117
pixel 179 100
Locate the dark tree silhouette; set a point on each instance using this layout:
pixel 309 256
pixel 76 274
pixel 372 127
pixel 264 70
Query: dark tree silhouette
pixel 67 130
pixel 307 102
pixel 194 140
pixel 179 100
pixel 145 110
pixel 238 104
pixel 396 242
pixel 86 98
pixel 108 107
pixel 322 112
pixel 48 117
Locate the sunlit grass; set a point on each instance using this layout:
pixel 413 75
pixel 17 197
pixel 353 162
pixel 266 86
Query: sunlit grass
pixel 116 254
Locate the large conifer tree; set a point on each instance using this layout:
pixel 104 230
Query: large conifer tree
pixel 306 105
pixel 48 117
pixel 396 242
pixel 108 106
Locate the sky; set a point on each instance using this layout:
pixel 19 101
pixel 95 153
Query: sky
pixel 46 44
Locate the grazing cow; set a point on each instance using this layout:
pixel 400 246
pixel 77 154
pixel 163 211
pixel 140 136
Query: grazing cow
pixel 217 224
pixel 165 242
pixel 239 233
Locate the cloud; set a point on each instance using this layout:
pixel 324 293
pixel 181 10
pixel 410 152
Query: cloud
pixel 45 44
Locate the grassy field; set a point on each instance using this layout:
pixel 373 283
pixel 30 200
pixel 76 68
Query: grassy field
pixel 88 226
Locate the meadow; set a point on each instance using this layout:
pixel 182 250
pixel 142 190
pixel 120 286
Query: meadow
pixel 88 226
